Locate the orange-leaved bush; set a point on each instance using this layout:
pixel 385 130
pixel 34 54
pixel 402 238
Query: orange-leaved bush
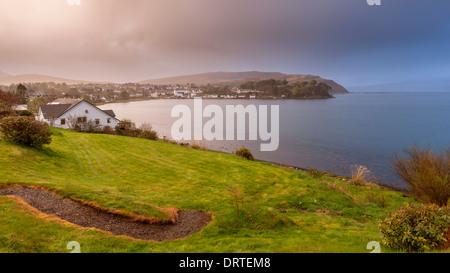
pixel 427 174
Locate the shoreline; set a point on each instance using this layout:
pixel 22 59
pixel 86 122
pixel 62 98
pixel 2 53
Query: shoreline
pixel 389 187
pixel 292 167
pixel 150 99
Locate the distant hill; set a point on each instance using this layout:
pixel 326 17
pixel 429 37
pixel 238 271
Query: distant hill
pixel 215 78
pixel 6 79
pixel 238 78
pixel 3 75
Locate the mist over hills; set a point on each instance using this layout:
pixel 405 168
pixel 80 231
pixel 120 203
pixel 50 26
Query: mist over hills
pixel 6 79
pixel 3 75
pixel 427 85
pixel 238 78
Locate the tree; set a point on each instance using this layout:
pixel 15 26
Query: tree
pixel 7 100
pixel 73 92
pixel 21 91
pixel 33 104
pixel 86 97
pixel 294 91
pixel 124 95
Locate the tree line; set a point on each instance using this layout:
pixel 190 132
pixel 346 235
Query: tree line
pixel 298 90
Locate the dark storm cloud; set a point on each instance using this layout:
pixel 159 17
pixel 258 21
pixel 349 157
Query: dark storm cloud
pixel 120 40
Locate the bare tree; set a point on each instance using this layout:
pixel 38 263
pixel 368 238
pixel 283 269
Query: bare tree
pixel 81 124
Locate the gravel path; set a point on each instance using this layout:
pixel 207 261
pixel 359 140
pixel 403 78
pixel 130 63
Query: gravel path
pixel 189 221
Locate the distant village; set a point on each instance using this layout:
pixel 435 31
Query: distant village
pixel 104 93
pixel 33 95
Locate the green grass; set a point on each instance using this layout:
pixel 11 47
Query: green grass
pixel 283 210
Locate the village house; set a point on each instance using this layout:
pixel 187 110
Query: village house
pixel 63 112
pixel 20 107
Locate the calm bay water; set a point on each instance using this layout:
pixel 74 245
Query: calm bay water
pixel 329 135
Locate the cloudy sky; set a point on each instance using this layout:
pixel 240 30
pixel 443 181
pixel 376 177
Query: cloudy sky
pixel 121 41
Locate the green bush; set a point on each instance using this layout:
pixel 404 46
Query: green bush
pixel 245 153
pixel 426 173
pixel 377 198
pixel 5 110
pixel 146 131
pixel 26 131
pixel 416 228
pixel 314 173
pixel 25 113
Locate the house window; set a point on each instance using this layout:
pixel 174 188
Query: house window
pixel 109 120
pixel 81 119
pixel 84 119
pixel 63 121
pixel 97 121
pixel 86 111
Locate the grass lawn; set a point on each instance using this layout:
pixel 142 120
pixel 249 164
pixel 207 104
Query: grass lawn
pixel 281 210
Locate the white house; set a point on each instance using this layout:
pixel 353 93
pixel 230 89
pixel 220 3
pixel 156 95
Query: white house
pixel 20 107
pixel 181 93
pixel 62 112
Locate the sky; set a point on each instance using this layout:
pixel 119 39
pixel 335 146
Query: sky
pixel 348 41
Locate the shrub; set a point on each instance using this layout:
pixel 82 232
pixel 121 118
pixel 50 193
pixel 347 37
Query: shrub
pixel 146 131
pixel 359 173
pixel 25 113
pixel 79 124
pixel 249 216
pixel 118 130
pixel 245 153
pixel 88 127
pixel 314 173
pixel 426 173
pixel 416 228
pixel 127 128
pixel 195 146
pixel 108 130
pixel 26 131
pixel 5 110
pixel 199 145
pixel 377 198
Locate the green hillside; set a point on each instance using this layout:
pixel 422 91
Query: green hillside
pixel 281 210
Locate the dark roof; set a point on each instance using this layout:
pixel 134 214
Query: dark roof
pixel 51 111
pixel 110 112
pixel 66 101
